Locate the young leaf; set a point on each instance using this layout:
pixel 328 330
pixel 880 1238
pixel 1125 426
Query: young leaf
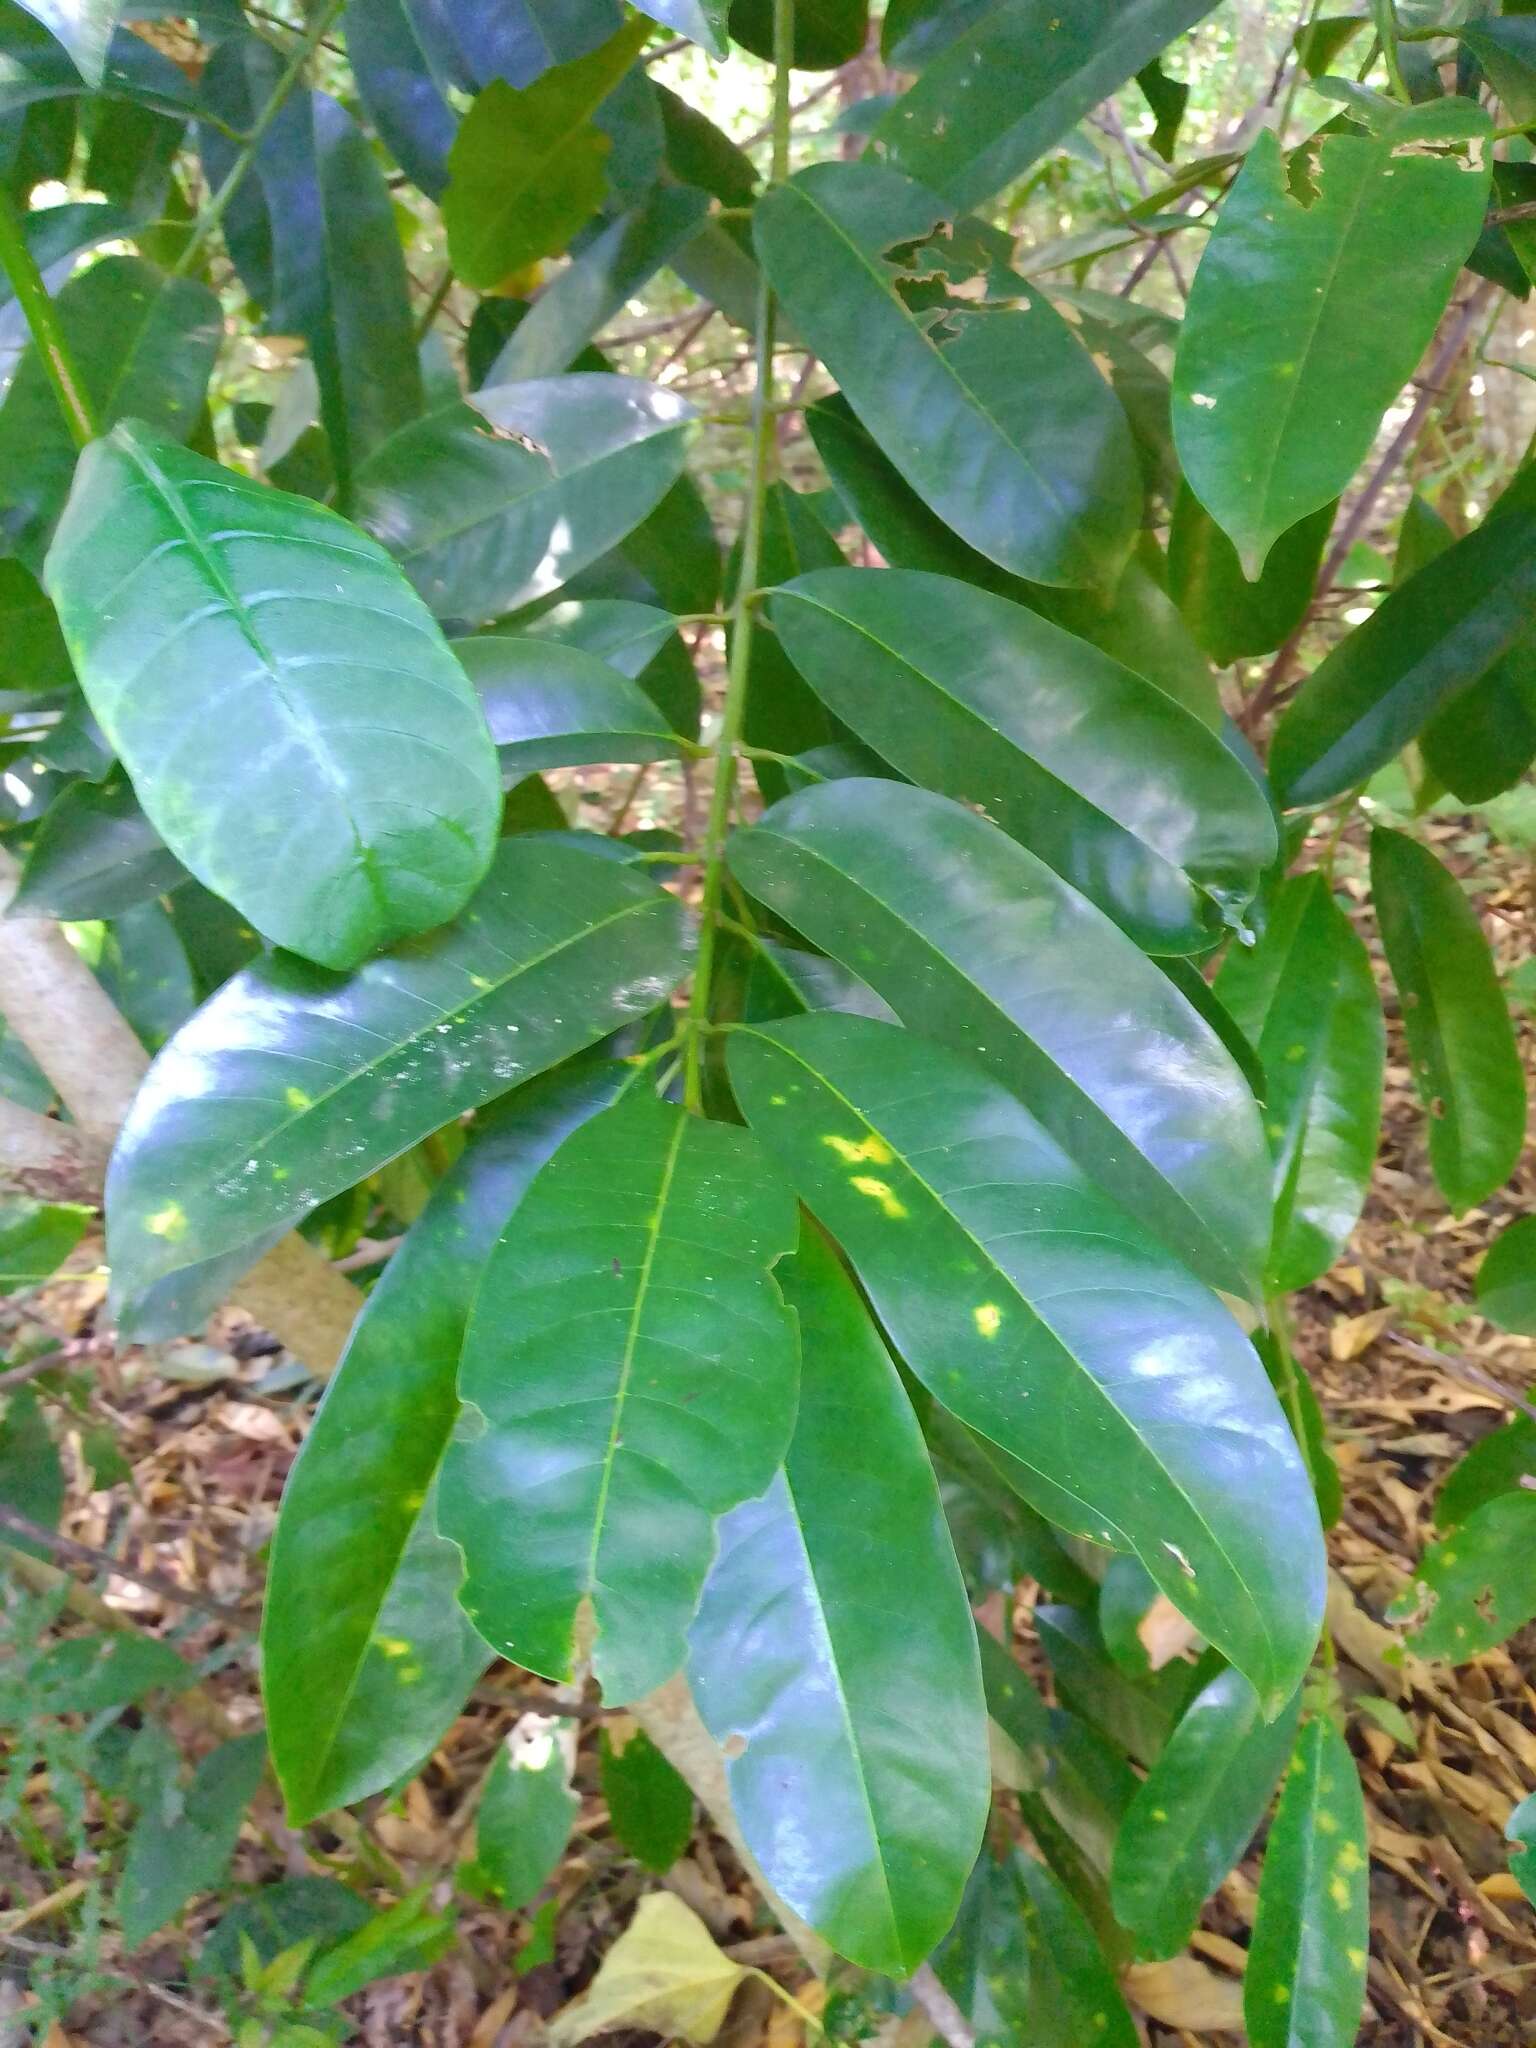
pixel 1196 1811
pixel 549 706
pixel 1305 1982
pixel 976 943
pixel 1097 772
pixel 1227 614
pixel 1436 635
pixel 291 1084
pixel 1007 431
pixel 1504 1461
pixel 366 1656
pixel 224 633
pixel 1012 79
pixel 94 855
pixel 184 1845
pixel 526 1814
pixel 494 503
pixel 1022 1298
pixel 867 1828
pixel 649 1805
pixel 1306 998
pixel 36 1238
pixel 1506 1279
pixel 1466 1065
pixel 664 1975
pixel 526 167
pixel 1475 1587
pixel 144 346
pixel 1352 285
pixel 628 1375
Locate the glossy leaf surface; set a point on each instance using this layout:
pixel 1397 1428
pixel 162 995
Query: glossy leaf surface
pixel 1096 771
pixel 1035 470
pixel 366 1656
pixel 184 1845
pixel 223 634
pixel 1305 997
pixel 526 167
pixel 1228 615
pixel 638 640
pixel 492 504
pixel 84 27
pixel 1429 640
pixel 1466 1065
pixel 549 706
pixel 864 1820
pixel 976 943
pixel 1034 1310
pixel 95 855
pixel 1017 77
pixel 292 1083
pixel 1076 1997
pixel 1272 415
pixel 628 1375
pixel 1197 1810
pixel 1305 1982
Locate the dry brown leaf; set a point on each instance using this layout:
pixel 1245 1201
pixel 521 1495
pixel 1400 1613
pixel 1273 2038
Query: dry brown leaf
pixel 664 1975
pixel 1186 1993
pixel 1352 1335
pixel 1164 1633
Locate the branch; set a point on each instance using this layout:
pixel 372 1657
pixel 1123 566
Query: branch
pixel 24 1530
pixel 71 1027
pixel 51 1161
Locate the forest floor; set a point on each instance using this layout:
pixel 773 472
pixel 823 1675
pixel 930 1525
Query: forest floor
pixel 1408 1376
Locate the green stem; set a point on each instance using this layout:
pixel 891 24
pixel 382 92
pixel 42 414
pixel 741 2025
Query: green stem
pixel 207 222
pixel 742 616
pixel 42 320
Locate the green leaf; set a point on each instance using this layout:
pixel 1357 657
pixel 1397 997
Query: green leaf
pixel 1023 1299
pixel 701 21
pixel 397 82
pixel 525 1817
pixel 84 27
pixel 86 1675
pixel 406 1936
pixel 1485 738
pixel 366 1657
pixel 1474 1587
pixel 1305 1981
pixel 827 33
pixel 1096 771
pixel 36 1238
pixel 1507 52
pixel 608 271
pixel 32 648
pixel 1506 1279
pixel 629 1374
pixel 1015 80
pixel 1076 1997
pixel 983 1962
pixel 291 1083
pixel 1305 997
pixel 95 854
pixel 173 1855
pixel 1007 431
pixel 1197 1810
pixel 549 706
pixel 649 1805
pixel 867 1826
pixel 491 504
pixel 526 167
pixel 223 633
pixel 1298 1397
pixel 144 968
pixel 1228 615
pixel 1134 1714
pixel 144 346
pixel 1466 1065
pixel 1433 637
pixel 31 1472
pixel 976 943
pixel 1504 1461
pixel 1167 97
pixel 638 640
pixel 1137 624
pixel 1352 284
pixel 1520 1829
pixel 781 713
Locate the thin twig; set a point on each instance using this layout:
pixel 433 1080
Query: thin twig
pixel 370 1251
pixel 946 2018
pixel 1461 1369
pixel 34 1368
pixel 71 1552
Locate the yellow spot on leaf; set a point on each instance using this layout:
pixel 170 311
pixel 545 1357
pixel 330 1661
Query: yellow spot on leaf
pixel 479 981
pixel 1356 1957
pixel 1159 1813
pixel 870 1151
pixel 297 1099
pixel 393 1646
pixel 1327 1824
pixel 880 1191
pixel 1349 1859
pixel 169 1222
pixel 1338 1891
pixel 988 1318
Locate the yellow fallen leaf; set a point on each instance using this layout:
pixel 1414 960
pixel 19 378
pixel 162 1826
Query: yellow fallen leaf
pixel 1187 1994
pixel 664 1975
